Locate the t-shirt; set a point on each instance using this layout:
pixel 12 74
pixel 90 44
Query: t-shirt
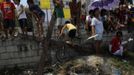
pixel 98 25
pixel 88 19
pixel 70 26
pixel 36 10
pixel 115 43
pixel 59 12
pixel 8 10
pixel 59 9
pixel 19 9
pixel 75 8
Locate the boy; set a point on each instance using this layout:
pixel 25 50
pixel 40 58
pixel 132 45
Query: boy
pixel 70 28
pixel 39 16
pixel 8 10
pixel 21 15
pixel 116 47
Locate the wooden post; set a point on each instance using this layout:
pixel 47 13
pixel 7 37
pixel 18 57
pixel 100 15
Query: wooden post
pixel 45 55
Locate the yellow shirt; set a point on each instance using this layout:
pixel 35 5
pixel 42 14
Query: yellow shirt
pixel 70 26
pixel 1 1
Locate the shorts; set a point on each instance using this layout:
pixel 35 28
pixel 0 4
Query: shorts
pixel 119 52
pixel 99 37
pixel 60 21
pixel 72 33
pixel 9 23
pixel 23 23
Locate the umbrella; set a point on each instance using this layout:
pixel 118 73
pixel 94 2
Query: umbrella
pixel 104 4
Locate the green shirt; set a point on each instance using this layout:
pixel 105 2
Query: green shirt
pixel 59 12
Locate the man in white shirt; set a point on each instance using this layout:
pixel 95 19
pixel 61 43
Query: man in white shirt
pixel 97 28
pixel 21 15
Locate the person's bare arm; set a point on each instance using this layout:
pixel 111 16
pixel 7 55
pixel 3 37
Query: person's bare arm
pixel 62 30
pixel 21 11
pixel 93 30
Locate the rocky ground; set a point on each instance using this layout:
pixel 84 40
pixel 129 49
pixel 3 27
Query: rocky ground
pixel 97 65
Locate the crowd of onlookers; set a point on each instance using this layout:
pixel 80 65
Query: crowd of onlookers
pixel 96 21
pixel 100 21
pixel 13 13
pixel 115 20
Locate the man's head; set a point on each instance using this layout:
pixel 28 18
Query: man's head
pixel 67 22
pixel 74 0
pixel 29 2
pixel 91 12
pixel 119 34
pixel 96 12
pixel 8 0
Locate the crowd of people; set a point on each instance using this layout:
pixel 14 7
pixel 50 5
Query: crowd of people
pixel 100 21
pixel 96 21
pixel 12 12
pixel 110 21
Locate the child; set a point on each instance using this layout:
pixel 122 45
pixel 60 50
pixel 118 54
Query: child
pixel 21 15
pixel 8 11
pixel 70 28
pixel 39 16
pixel 116 47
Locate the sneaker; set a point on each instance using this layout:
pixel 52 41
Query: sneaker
pixel 16 34
pixel 68 42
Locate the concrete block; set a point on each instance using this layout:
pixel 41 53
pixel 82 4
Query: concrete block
pixel 37 58
pixel 33 45
pixel 34 53
pixel 5 56
pixel 28 53
pixel 29 59
pixel 2 50
pixel 11 49
pixel 14 55
pixel 15 61
pixel 3 43
pixel 3 62
pixel 8 43
pixel 32 59
pixel 22 54
pixel 16 42
pixel 40 52
pixel 0 43
pixel 25 60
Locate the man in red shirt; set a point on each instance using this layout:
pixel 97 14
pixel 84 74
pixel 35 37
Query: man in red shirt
pixel 8 10
pixel 115 45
